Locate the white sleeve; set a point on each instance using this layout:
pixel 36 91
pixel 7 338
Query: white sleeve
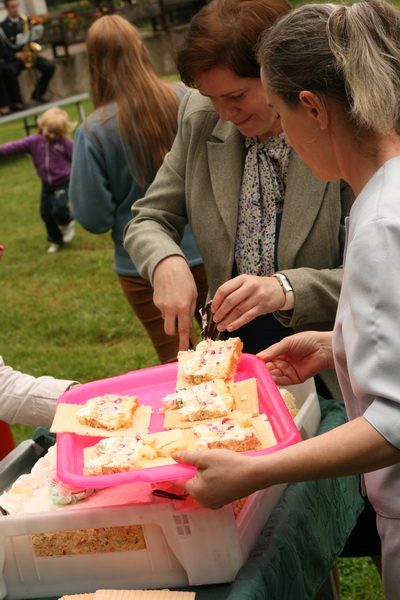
pixel 28 400
pixel 371 329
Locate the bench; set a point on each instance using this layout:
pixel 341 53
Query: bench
pixel 29 115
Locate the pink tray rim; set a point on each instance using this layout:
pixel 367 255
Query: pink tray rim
pixel 69 445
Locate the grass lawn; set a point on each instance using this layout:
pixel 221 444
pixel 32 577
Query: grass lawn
pixel 65 315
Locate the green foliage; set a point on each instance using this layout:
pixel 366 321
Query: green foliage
pixel 359 580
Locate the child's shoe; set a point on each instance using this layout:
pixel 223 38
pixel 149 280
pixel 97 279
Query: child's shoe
pixel 68 231
pixel 53 248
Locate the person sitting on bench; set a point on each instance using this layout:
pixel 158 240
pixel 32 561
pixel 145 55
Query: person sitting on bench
pixel 10 95
pixel 20 57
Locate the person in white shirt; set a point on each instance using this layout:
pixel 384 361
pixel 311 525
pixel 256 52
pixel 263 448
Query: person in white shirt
pixel 29 400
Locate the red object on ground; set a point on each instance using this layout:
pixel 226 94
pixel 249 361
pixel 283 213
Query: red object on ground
pixel 6 439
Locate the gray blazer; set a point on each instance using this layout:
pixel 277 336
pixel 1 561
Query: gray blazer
pixel 199 182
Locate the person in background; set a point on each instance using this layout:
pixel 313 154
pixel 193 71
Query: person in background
pixel 315 62
pixel 10 95
pixel 274 264
pixel 51 151
pixel 15 56
pixel 29 400
pixel 117 152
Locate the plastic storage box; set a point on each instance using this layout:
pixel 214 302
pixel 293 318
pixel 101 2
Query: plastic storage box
pixel 185 545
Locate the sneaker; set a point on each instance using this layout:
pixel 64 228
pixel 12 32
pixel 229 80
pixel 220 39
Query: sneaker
pixel 53 248
pixel 68 231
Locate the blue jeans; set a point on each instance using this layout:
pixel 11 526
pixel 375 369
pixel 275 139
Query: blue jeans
pixel 55 211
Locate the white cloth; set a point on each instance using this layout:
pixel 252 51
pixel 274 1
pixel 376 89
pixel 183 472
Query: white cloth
pixel 28 400
pixel 261 198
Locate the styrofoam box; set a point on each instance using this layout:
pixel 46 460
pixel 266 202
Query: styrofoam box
pixel 184 545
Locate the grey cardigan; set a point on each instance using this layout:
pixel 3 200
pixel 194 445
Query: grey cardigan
pixel 199 182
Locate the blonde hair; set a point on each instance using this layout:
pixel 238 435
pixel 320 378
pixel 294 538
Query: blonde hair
pixel 350 53
pixel 121 71
pixel 57 121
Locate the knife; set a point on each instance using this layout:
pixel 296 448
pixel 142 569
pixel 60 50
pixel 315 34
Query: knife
pixel 209 328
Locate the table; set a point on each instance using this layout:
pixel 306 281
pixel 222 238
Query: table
pixel 31 113
pixel 302 538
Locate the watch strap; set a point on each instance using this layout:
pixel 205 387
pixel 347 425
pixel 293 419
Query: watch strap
pixel 286 287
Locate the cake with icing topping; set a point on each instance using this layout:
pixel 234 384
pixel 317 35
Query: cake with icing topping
pixel 210 360
pixel 206 400
pixel 110 411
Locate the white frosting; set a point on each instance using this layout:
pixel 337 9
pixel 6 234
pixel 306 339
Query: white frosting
pixel 116 452
pixel 208 356
pixel 110 410
pixel 40 490
pixel 225 429
pixel 199 402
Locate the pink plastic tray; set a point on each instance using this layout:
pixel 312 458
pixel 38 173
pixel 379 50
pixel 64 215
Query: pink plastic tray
pixel 150 385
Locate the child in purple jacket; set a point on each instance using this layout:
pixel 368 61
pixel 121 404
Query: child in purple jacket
pixel 51 151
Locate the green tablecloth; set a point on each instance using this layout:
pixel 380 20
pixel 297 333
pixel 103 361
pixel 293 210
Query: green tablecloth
pixel 302 538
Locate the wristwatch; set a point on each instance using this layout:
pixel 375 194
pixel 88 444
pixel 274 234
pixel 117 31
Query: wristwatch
pixel 285 286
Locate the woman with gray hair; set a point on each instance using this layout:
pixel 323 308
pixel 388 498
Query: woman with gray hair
pixel 332 73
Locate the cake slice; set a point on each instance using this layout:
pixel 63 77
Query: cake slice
pixel 109 411
pixel 210 360
pixel 206 400
pixel 239 432
pixel 115 455
pixel 238 435
pixel 120 454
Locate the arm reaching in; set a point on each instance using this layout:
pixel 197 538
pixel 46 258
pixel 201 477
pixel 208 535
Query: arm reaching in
pixel 245 297
pixel 298 357
pixel 223 475
pixel 29 400
pixel 175 294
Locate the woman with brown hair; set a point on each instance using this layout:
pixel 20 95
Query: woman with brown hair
pixel 117 152
pixel 273 264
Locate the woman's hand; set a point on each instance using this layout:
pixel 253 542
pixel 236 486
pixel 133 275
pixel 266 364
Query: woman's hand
pixel 214 466
pixel 245 297
pixel 175 294
pixel 298 357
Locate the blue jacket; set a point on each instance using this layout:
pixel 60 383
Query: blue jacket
pixel 102 188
